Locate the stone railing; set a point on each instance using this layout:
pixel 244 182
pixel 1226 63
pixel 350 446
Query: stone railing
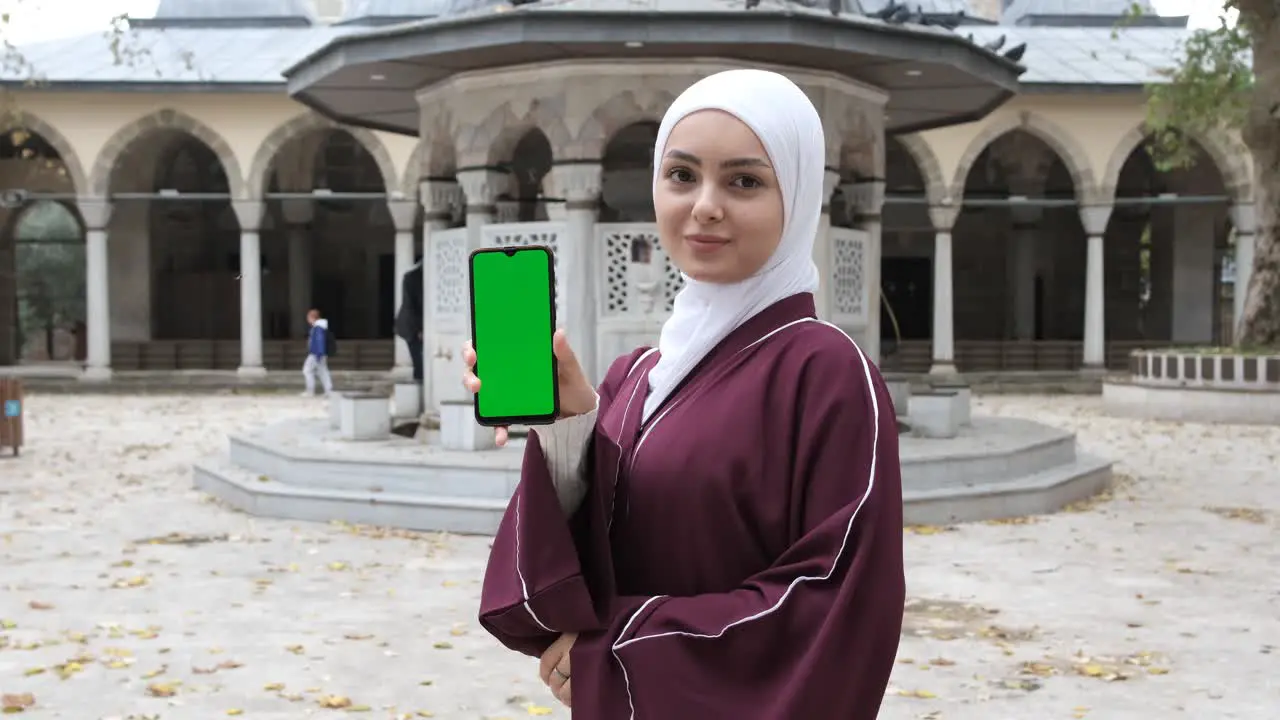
pixel 1215 369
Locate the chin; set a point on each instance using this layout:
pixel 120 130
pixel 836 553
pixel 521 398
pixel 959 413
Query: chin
pixel 712 274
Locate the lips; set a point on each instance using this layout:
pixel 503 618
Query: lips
pixel 706 242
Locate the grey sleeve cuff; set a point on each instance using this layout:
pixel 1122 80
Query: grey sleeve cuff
pixel 564 445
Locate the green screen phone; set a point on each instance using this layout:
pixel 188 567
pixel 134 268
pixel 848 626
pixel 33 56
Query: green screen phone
pixel 513 316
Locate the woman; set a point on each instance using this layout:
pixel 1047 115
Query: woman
pixel 716 533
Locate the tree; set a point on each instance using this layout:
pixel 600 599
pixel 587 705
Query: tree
pixel 1228 79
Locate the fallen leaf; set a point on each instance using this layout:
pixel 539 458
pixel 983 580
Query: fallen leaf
pixel 16 703
pixel 533 709
pixel 334 702
pixel 168 689
pixel 37 605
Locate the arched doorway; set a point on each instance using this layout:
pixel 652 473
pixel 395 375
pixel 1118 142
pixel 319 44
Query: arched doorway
pixel 906 265
pixel 1169 254
pixel 328 243
pixel 175 256
pixel 627 174
pixel 50 271
pixel 1019 260
pixel 530 162
pixel 41 248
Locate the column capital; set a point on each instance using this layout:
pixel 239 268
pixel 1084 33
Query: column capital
pixel 1244 216
pixel 943 217
pixel 249 213
pixel 1095 219
pixel 574 181
pixel 404 214
pixel 482 185
pixel 865 197
pixel 1026 214
pixel 440 196
pixel 95 211
pixel 296 211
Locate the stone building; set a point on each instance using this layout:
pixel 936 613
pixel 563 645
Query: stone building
pixel 181 205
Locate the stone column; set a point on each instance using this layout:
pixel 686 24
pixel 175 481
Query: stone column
pixel 578 183
pixel 1095 219
pixel 404 214
pixel 249 213
pixel 824 252
pixel 1022 260
pixel 944 334
pixel 297 215
pixel 439 198
pixel 480 188
pixel 96 213
pixel 867 203
pixel 1244 218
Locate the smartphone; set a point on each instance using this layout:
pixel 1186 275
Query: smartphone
pixel 513 315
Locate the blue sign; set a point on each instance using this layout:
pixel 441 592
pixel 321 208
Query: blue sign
pixel 12 408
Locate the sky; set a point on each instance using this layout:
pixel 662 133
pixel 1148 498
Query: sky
pixel 37 20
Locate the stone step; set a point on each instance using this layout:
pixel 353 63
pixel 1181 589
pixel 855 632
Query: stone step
pixel 1038 493
pixel 970 468
pixel 261 495
pixel 399 466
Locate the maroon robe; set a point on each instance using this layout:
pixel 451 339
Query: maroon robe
pixel 737 556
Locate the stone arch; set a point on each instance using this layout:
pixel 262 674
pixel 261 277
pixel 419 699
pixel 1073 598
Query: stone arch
pixel 491 141
pixel 935 187
pixel 66 151
pixel 166 119
pixel 855 142
pixel 1229 158
pixel 412 172
pixel 620 111
pixel 306 122
pixel 435 155
pixel 1058 139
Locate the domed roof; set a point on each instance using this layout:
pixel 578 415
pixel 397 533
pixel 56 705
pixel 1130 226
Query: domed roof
pixel 229 13
pixel 385 12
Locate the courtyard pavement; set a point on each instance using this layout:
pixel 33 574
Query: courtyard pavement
pixel 126 594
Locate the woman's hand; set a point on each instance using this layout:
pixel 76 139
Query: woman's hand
pixel 555 668
pixel 577 396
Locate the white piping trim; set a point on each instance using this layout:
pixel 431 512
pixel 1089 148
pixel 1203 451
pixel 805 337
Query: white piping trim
pixel 673 405
pixel 524 588
pixel 844 543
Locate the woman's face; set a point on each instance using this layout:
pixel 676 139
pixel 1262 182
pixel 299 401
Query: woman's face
pixel 717 200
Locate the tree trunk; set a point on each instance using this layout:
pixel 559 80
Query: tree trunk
pixel 1259 324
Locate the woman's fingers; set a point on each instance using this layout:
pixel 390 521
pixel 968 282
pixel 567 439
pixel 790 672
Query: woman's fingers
pixel 471 382
pixel 500 436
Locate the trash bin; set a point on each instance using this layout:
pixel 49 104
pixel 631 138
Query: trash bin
pixel 11 414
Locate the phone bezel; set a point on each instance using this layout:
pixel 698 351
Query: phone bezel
pixel 511 251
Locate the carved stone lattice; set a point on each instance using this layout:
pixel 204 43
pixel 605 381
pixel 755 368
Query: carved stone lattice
pixel 848 275
pixel 450 262
pixel 498 236
pixel 622 291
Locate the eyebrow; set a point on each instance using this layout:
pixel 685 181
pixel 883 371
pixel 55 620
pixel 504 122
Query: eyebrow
pixel 733 163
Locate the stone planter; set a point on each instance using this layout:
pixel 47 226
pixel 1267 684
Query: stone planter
pixel 1198 386
pixel 1219 370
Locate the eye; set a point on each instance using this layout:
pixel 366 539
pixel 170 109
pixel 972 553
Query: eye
pixel 680 175
pixel 747 182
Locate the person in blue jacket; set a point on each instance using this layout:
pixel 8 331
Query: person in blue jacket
pixel 317 362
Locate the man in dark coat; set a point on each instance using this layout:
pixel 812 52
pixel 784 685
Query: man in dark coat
pixel 409 317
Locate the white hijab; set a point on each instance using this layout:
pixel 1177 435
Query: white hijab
pixel 788 126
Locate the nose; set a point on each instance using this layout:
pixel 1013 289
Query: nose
pixel 709 207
